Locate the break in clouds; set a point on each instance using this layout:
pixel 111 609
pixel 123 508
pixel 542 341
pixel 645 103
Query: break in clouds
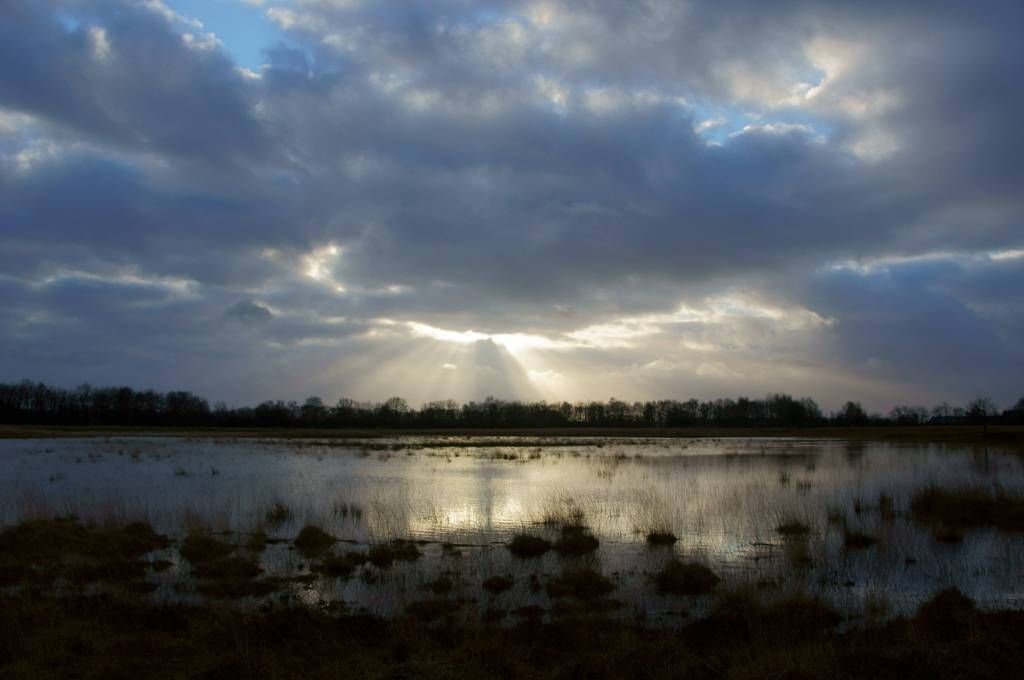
pixel 531 199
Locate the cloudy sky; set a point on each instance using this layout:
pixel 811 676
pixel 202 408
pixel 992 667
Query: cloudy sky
pixel 534 199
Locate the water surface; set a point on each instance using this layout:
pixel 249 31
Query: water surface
pixel 464 498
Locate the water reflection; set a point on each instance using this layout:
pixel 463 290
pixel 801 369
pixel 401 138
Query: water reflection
pixel 724 499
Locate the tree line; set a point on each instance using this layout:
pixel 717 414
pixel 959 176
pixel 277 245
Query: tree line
pixel 35 403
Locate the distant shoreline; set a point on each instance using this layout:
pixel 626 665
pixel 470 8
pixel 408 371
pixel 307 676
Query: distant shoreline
pixel 1001 434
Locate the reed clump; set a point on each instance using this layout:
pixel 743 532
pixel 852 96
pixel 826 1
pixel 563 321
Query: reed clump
pixel 969 507
pixel 383 555
pixel 661 538
pixel 528 545
pixel 793 527
pixel 199 547
pixel 340 566
pixel 576 540
pixel 41 551
pixel 685 578
pixel 312 541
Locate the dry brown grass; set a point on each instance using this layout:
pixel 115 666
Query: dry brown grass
pixel 125 637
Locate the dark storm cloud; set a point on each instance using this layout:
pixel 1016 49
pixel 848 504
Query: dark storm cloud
pixel 514 167
pixel 121 75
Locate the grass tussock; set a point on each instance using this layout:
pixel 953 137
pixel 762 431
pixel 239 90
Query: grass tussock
pixel 313 541
pixel 528 545
pixel 793 527
pixel 39 552
pixel 383 555
pixel 661 538
pixel 340 566
pixel 576 540
pixel 685 578
pixel 231 577
pixel 202 547
pixel 969 507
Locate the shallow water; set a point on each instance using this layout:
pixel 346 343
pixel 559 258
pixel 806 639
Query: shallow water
pixel 723 498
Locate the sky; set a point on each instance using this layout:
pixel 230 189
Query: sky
pixel 531 199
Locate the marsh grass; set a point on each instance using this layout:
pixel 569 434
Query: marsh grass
pixel 793 527
pixel 277 514
pixel 346 509
pixel 236 579
pixel 685 578
pixel 969 507
pixel 312 541
pixel 743 638
pixel 340 566
pixel 661 538
pixel 383 555
pixel 576 540
pixel 562 509
pixel 199 547
pixel 42 551
pixel 528 545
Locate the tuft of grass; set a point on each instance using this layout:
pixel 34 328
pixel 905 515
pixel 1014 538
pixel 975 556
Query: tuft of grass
pixel 969 507
pixel 231 577
pixel 685 578
pixel 576 540
pixel 948 616
pixel 41 551
pixel 201 547
pixel 580 584
pixel 527 545
pixel 793 527
pixel 661 538
pixel 384 555
pixel 278 514
pixel 313 541
pixel 340 566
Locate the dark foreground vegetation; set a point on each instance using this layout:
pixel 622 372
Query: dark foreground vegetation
pixel 30 403
pixel 114 636
pixel 76 602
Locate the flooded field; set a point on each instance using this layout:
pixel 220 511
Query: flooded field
pixel 500 528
